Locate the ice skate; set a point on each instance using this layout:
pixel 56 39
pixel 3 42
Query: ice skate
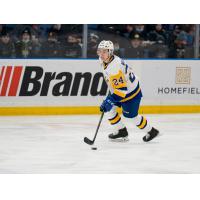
pixel 151 135
pixel 120 136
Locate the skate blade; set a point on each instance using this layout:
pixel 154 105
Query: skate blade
pixel 124 139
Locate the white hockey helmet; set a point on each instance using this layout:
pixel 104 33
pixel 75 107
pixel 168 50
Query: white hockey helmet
pixel 106 44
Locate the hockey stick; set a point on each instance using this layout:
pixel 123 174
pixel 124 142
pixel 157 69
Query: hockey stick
pixel 91 142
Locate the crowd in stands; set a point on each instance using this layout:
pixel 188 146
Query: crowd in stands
pixel 66 40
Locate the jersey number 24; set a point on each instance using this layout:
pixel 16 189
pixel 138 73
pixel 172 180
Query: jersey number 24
pixel 118 80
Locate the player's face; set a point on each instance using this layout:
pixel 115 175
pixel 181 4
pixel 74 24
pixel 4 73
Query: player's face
pixel 103 54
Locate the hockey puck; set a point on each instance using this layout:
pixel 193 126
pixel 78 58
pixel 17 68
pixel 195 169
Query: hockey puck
pixel 94 148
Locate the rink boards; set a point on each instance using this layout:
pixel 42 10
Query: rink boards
pixel 76 86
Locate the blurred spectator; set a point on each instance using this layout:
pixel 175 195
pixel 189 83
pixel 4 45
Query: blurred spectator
pixel 158 32
pixel 79 39
pixel 190 30
pixel 36 46
pixel 52 47
pixel 183 43
pixel 136 49
pixel 44 28
pixel 7 48
pixel 71 47
pixel 128 30
pixel 57 28
pixel 178 50
pixel 182 36
pixel 37 31
pixel 140 29
pixel 23 46
pixel 17 31
pixel 158 49
pixel 93 41
pixel 173 35
pixel 62 29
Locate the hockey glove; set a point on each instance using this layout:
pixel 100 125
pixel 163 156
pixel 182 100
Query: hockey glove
pixel 107 104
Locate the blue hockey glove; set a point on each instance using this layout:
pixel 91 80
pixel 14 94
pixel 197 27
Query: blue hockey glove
pixel 107 104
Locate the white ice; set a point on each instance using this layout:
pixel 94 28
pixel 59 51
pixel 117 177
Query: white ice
pixel 54 144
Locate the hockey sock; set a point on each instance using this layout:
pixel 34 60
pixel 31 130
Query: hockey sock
pixel 115 121
pixel 142 123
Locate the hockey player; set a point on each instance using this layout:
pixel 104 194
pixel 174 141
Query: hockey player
pixel 125 92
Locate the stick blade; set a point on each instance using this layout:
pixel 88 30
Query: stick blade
pixel 88 141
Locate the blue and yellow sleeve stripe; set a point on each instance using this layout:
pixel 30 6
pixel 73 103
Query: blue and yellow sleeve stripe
pixel 120 95
pixel 121 92
pixel 135 93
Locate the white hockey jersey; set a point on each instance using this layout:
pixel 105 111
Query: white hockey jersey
pixel 122 82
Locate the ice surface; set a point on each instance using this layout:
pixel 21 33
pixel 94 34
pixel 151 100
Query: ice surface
pixel 54 144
